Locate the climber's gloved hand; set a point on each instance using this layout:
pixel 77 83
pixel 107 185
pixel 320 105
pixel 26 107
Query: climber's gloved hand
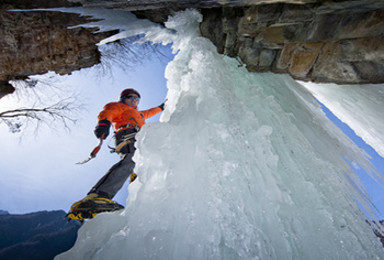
pixel 102 129
pixel 162 106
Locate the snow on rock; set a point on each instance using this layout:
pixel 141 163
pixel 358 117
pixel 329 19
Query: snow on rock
pixel 359 106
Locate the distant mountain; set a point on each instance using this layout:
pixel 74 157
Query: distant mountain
pixel 40 235
pixel 3 212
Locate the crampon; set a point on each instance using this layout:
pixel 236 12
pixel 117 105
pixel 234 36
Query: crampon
pixel 87 209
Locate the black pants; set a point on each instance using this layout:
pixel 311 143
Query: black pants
pixel 115 178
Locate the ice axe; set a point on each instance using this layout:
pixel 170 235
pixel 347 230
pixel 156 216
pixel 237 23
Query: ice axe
pixel 94 151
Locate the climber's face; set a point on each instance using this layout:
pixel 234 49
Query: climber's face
pixel 132 100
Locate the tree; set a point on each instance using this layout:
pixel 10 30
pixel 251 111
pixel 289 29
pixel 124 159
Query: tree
pixel 128 53
pixel 55 112
pixel 17 118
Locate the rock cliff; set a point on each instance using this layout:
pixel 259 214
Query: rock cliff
pixel 38 42
pixel 312 40
pixel 337 43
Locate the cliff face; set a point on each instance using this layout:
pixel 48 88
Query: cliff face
pixel 312 40
pixel 36 42
pixel 320 41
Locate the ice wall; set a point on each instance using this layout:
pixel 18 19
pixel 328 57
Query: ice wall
pixel 242 166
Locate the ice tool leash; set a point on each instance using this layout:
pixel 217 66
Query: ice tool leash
pixel 94 151
pixel 126 140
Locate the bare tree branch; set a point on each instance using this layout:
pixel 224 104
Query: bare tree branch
pixel 60 114
pixel 128 54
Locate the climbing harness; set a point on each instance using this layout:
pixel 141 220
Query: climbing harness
pixel 127 139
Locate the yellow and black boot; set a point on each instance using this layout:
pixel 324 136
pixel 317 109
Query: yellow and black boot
pixel 90 206
pixel 132 177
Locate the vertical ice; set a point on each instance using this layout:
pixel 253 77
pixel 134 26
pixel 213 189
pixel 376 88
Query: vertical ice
pixel 242 166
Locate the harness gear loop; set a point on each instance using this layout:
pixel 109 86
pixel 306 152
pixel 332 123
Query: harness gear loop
pixel 126 139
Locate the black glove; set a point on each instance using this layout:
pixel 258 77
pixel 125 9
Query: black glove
pixel 102 129
pixel 163 105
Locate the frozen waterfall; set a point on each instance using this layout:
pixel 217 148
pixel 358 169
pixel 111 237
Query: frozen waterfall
pixel 241 166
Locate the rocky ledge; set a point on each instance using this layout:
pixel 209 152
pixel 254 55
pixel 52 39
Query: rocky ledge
pixel 37 42
pixel 312 40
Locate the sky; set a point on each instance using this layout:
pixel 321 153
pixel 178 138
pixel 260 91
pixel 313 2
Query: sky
pixel 374 189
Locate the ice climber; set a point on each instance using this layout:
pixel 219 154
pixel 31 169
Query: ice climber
pixel 127 121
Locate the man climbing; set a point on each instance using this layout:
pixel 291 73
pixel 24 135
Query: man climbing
pixel 127 121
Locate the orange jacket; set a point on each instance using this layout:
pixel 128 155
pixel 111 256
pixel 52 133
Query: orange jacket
pixel 120 115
